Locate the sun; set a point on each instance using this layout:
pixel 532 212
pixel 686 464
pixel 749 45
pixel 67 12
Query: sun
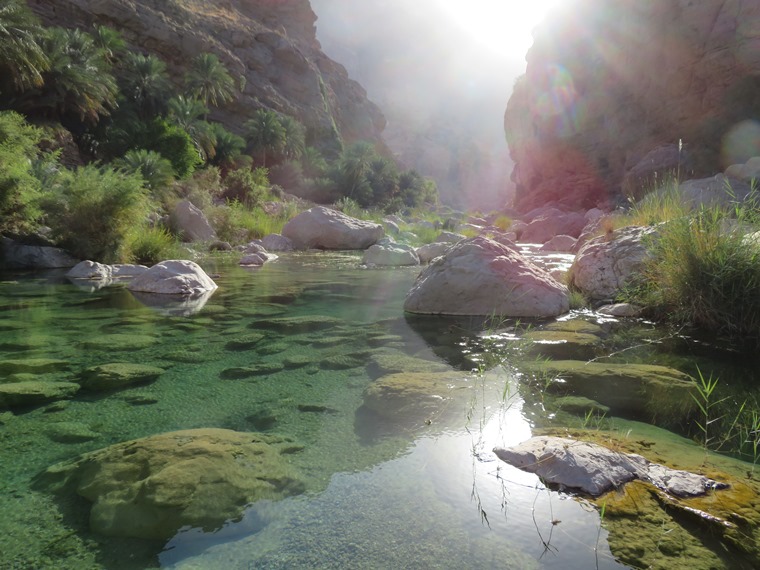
pixel 502 26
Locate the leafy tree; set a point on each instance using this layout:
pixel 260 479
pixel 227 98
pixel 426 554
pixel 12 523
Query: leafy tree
pixel 78 83
pixel 156 171
pixel 19 189
pixel 246 186
pixel 145 83
pixel 313 163
pixel 415 190
pixel 353 166
pixel 22 58
pixel 265 133
pixel 93 210
pixel 209 80
pixel 188 113
pixel 174 144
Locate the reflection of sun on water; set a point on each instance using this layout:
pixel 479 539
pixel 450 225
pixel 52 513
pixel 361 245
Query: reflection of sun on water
pixel 503 26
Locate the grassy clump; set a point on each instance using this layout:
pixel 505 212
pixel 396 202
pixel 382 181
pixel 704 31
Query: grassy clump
pixel 149 246
pixel 237 224
pixel 705 267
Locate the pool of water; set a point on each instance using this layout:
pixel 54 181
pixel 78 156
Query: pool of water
pixel 411 492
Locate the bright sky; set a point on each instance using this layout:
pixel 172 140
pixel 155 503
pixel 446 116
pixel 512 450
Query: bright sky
pixel 503 26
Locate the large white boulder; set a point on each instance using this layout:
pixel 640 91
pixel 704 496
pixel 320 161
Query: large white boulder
pixel 391 254
pixel 90 270
pixel 323 228
pixel 191 223
pixel 173 277
pixel 606 263
pixel 479 276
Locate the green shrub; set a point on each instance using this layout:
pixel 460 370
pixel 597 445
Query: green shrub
pixel 238 224
pixel 93 210
pixel 503 223
pixel 176 145
pixel 19 189
pixel 705 271
pixel 156 171
pixel 249 187
pixel 149 245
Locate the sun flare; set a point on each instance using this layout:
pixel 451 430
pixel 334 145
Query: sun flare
pixel 503 26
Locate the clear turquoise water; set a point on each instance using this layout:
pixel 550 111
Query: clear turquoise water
pixel 415 493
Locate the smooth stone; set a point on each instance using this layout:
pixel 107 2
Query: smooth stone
pixel 292 362
pixel 341 362
pixel 393 361
pixel 90 270
pixel 174 277
pixel 323 228
pixel 70 432
pixel 33 365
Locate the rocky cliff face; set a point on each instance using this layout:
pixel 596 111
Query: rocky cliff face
pixel 270 45
pixel 608 81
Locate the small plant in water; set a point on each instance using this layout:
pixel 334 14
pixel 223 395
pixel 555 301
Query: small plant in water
pixel 705 402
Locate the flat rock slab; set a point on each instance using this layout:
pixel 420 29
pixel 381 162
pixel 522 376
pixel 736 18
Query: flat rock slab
pixel 594 469
pixel 21 394
pixel 116 375
pixel 151 487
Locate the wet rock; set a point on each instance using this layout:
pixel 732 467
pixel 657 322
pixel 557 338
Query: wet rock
pixel 563 344
pixel 277 242
pixel 298 361
pixel 70 432
pixel 273 348
pixel 296 325
pixel 242 372
pixel 482 277
pixel 316 409
pixel 341 362
pixel 33 366
pixel 119 342
pixel 323 228
pixel 414 397
pixel 117 375
pixel 257 259
pixel 560 243
pixel 21 394
pixel 392 361
pixel 594 469
pixel 579 406
pixel 151 487
pixel 635 390
pixel 620 310
pixel 174 277
pixel 244 342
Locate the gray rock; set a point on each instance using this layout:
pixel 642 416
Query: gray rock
pixel 544 228
pixel 174 277
pixel 90 270
pixel 191 223
pixel 390 255
pixel 16 255
pixel 257 259
pixel 430 251
pixel 323 228
pixel 620 310
pixel 560 243
pixel 481 277
pixel 277 242
pixel 594 469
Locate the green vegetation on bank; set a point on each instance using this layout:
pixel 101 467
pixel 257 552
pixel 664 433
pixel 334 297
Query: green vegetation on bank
pixel 704 268
pixel 98 144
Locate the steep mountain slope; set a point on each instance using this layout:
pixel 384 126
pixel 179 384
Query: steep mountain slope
pixel 608 81
pixel 269 45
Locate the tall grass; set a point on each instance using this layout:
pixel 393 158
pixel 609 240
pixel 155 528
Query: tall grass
pixel 236 223
pixel 705 266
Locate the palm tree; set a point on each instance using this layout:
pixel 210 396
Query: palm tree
pixel 78 82
pixel 145 83
pixel 228 146
pixel 295 137
pixel 109 41
pixel 188 113
pixel 22 59
pixel 155 170
pixel 313 163
pixel 209 80
pixel 265 132
pixel 354 165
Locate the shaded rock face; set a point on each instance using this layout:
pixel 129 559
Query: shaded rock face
pixel 323 228
pixel 610 81
pixel 151 487
pixel 270 45
pixel 16 255
pixel 479 276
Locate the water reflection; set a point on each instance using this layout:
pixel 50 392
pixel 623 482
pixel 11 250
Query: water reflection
pixel 173 305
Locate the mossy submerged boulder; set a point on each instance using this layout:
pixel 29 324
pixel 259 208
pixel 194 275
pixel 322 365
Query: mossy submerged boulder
pixel 151 487
pixel 33 365
pixel 116 375
pixel 119 341
pixel 563 344
pixel 636 390
pixel 32 393
pixel 390 361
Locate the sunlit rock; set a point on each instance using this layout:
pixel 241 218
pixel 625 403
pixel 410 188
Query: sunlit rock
pixel 323 228
pixel 191 223
pixel 391 254
pixel 560 243
pixel 545 227
pixel 90 270
pixel 481 277
pixel 257 259
pixel 174 277
pixel 594 469
pixel 606 263
pixel 151 487
pixel 430 251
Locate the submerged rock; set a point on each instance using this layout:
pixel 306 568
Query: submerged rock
pixel 390 361
pixel 390 254
pixel 21 394
pixel 151 487
pixel 595 469
pixel 117 375
pixel 33 366
pixel 479 276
